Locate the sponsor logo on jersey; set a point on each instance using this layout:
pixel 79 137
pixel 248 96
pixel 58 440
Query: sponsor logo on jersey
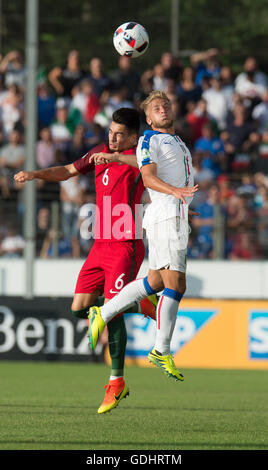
pixel 114 291
pixel 145 156
pixel 145 153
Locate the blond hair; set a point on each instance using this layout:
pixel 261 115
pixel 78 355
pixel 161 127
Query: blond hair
pixel 154 95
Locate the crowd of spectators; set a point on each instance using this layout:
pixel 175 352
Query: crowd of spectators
pixel 222 117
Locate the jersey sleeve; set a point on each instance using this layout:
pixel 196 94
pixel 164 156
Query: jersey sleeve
pixel 147 151
pixel 83 165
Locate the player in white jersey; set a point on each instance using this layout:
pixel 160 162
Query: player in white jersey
pixel 166 220
pixel 166 167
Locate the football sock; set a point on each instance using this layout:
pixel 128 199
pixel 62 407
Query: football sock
pixel 166 315
pixel 132 292
pixel 99 302
pixel 83 312
pixel 117 339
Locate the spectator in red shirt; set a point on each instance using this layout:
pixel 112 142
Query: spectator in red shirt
pixel 225 190
pixel 197 117
pixel 92 101
pixel 245 247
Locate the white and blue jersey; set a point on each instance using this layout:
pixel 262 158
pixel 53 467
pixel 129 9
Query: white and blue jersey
pixel 174 166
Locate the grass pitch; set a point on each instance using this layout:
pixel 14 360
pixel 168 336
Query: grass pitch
pixel 53 406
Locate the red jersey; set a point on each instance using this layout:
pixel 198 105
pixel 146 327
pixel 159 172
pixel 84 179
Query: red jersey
pixel 119 188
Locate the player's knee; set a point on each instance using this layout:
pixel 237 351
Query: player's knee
pixel 155 282
pixel 79 303
pixel 79 311
pixel 157 285
pixel 75 306
pixel 180 286
pixel 175 281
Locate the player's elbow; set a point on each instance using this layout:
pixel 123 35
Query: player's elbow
pixel 66 175
pixel 69 171
pixel 145 184
pixel 147 181
pixel 149 175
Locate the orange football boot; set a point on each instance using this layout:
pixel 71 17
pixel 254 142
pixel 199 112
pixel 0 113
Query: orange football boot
pixel 115 391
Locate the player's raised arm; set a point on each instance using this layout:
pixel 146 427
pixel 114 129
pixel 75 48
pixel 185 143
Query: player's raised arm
pixel 56 173
pixel 102 158
pixel 151 180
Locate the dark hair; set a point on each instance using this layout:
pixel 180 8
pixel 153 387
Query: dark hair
pixel 128 117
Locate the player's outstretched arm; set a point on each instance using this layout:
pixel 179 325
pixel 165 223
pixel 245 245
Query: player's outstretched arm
pixel 151 180
pixel 102 157
pixel 56 173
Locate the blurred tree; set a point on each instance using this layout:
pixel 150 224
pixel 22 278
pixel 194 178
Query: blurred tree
pixel 238 28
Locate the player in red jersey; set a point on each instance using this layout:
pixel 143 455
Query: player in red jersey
pixel 116 255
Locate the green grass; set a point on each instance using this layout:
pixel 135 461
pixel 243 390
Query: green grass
pixel 54 406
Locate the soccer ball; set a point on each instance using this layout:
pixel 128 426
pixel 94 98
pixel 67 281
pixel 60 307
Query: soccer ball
pixel 131 39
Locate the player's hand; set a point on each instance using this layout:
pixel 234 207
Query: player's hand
pixel 97 158
pixel 23 176
pixel 102 158
pixel 192 214
pixel 181 193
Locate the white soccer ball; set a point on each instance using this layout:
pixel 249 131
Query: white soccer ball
pixel 131 39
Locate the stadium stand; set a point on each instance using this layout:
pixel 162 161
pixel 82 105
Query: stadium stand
pixel 223 119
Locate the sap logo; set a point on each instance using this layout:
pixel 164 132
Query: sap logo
pixel 141 331
pixel 258 335
pixel 188 323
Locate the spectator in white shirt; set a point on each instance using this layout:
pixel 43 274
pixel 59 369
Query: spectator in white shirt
pixel 159 79
pixel 12 245
pixel 12 66
pixel 60 132
pixel 216 102
pixel 260 112
pixel 45 149
pixel 12 107
pixel 11 160
pixel 252 82
pixel 227 85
